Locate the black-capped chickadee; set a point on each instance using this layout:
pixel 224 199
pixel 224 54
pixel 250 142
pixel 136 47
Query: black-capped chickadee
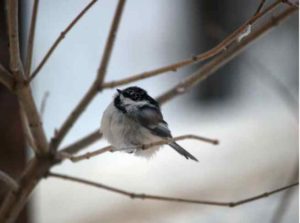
pixel 134 119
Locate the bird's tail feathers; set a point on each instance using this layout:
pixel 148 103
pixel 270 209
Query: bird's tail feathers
pixel 182 151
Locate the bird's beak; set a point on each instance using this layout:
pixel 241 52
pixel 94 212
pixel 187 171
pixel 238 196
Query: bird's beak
pixel 119 91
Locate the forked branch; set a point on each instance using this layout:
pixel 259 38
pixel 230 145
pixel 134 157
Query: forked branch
pixel 23 92
pixel 170 199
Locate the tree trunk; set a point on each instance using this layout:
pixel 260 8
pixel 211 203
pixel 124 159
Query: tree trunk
pixel 12 145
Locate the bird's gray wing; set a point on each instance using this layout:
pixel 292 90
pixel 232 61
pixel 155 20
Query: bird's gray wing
pixel 151 118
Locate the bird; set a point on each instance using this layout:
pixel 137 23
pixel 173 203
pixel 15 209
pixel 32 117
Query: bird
pixel 134 119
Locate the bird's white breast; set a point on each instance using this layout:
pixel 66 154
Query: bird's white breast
pixel 124 133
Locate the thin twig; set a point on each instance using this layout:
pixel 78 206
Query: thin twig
pixel 83 142
pixel 59 39
pixel 195 59
pixel 30 42
pixel 163 198
pixel 6 78
pixel 43 104
pixel 96 86
pixel 260 6
pixel 222 59
pixel 143 147
pixel 110 43
pixel 89 154
pixel 10 182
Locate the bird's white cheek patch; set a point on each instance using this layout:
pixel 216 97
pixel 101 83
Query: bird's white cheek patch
pixel 132 105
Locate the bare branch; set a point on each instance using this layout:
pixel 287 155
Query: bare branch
pixel 83 142
pixel 60 38
pixel 13 34
pixel 28 136
pixel 171 199
pixel 30 42
pixel 221 60
pixel 143 147
pixel 96 86
pixel 195 59
pixel 34 121
pixel 89 154
pixel 110 42
pixel 10 182
pixel 5 78
pixel 23 92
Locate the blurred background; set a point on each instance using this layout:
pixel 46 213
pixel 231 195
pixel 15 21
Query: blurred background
pixel 250 105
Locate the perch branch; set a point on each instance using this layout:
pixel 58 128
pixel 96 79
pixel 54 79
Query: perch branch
pixel 10 182
pixel 171 199
pixel 59 39
pixel 195 59
pixel 30 42
pixel 83 142
pixel 6 78
pixel 143 147
pixel 96 86
pixel 222 59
